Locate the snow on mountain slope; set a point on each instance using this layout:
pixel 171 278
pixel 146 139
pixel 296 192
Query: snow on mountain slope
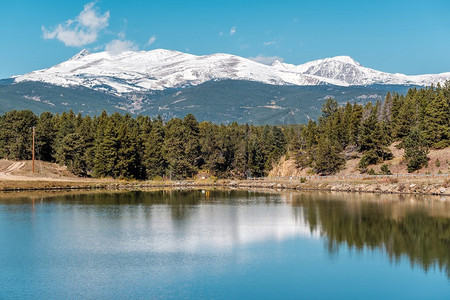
pixel 347 70
pixel 160 69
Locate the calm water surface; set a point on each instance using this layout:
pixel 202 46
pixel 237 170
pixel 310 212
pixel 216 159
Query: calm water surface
pixel 223 245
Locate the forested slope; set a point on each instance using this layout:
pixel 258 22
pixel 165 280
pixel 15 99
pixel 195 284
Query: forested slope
pixel 122 146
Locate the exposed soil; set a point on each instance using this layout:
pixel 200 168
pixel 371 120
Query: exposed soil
pixel 44 171
pixel 397 165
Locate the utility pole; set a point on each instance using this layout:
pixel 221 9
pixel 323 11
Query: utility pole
pixel 34 132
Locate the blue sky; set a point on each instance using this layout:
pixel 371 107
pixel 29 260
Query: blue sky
pixel 411 37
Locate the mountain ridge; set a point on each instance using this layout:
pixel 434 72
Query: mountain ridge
pixel 219 87
pixel 160 69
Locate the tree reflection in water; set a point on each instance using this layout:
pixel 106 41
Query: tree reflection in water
pixel 417 228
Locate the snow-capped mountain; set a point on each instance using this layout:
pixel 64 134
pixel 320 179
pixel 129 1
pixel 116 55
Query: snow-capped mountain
pixel 160 69
pixel 143 71
pixel 348 72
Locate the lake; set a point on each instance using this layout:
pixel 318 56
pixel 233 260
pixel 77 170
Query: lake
pixel 223 244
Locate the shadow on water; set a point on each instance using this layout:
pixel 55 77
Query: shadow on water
pixel 415 227
pixel 398 225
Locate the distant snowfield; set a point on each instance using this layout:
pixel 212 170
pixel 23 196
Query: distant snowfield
pixel 143 71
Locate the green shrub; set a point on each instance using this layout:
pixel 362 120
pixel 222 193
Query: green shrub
pixel 442 144
pixel 157 178
pixel 385 170
pixel 437 163
pixel 373 157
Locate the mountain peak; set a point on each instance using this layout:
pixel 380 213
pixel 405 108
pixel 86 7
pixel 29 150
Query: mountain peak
pixel 276 62
pixel 160 69
pixel 80 54
pixel 345 59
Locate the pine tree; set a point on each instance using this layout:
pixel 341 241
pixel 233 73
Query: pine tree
pixel 16 134
pixel 437 121
pixel 191 144
pixel 327 158
pixel 416 150
pixel 86 132
pixel 153 158
pixel 66 124
pixel 373 139
pixel 173 149
pixel 407 116
pixel 329 108
pixel 355 124
pixel 240 164
pixel 71 154
pixel 106 145
pixel 128 164
pixel 45 137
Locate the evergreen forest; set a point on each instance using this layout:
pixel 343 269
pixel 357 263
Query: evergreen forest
pixel 127 147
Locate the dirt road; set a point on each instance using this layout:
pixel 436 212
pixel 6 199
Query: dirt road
pixel 8 167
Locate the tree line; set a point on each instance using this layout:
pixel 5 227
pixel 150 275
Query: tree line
pixel 419 120
pixel 122 146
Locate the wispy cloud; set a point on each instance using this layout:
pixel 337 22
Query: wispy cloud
pixel 269 43
pixel 151 40
pixel 221 33
pixel 116 47
pixel 81 31
pixel 121 34
pixel 233 30
pixel 266 60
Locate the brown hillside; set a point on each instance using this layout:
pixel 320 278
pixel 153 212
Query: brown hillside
pixel 397 165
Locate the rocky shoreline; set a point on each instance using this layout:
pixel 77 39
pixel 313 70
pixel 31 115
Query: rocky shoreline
pixel 425 187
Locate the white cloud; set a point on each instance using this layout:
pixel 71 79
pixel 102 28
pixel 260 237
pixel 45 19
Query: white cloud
pixel 269 43
pixel 116 47
pixel 90 17
pixel 266 60
pixel 233 30
pixel 81 31
pixel 151 40
pixel 221 33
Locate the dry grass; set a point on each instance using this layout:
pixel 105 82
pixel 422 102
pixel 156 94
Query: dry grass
pixel 397 165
